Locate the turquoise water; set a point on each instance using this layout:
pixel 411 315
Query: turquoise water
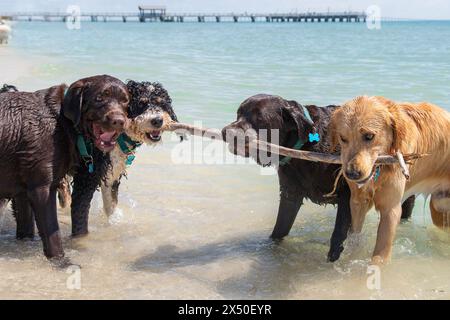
pixel 201 231
pixel 213 67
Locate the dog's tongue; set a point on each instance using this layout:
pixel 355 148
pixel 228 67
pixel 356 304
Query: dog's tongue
pixel 107 136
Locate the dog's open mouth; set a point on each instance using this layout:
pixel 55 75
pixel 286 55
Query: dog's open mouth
pixel 104 140
pixel 154 135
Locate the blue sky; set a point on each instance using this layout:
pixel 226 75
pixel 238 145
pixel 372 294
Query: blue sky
pixel 425 9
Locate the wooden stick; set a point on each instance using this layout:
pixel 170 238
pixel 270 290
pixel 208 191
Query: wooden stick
pixel 297 154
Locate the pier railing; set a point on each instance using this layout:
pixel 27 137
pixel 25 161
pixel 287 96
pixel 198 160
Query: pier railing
pixel 191 17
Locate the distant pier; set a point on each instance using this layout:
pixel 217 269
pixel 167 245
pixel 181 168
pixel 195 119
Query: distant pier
pixel 160 14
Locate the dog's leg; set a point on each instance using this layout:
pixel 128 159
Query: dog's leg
pixel 287 212
pixel 386 234
pixel 110 193
pixel 341 226
pixel 43 202
pixel 291 200
pixel 64 196
pixel 3 204
pixel 360 203
pixel 107 198
pixel 359 207
pixel 388 202
pixel 24 217
pixel 84 186
pixel 407 207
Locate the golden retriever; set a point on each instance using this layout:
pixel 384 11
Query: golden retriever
pixel 367 127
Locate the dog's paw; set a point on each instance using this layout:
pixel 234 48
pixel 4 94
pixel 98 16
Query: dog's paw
pixel 60 262
pixel 378 261
pixel 335 253
pixel 116 217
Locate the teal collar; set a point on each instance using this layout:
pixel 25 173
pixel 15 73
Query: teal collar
pixel 377 174
pixel 128 147
pixel 300 143
pixel 85 150
pixel 307 114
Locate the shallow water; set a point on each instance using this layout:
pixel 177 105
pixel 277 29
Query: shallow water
pixel 201 231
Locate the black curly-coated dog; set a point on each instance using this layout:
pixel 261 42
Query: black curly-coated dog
pixel 150 111
pixel 299 179
pixel 52 132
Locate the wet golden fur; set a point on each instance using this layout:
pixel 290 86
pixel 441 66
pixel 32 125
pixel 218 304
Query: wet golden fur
pixel 409 128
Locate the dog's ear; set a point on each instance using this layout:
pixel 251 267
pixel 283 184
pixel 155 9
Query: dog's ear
pixel 73 101
pixel 332 129
pixel 133 90
pixel 304 126
pixel 171 113
pixel 399 129
pixel 132 86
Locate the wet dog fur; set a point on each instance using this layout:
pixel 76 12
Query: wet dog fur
pixel 50 121
pixel 366 127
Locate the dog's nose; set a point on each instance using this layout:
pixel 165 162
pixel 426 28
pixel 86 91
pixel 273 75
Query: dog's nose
pixel 353 174
pixel 157 122
pixel 116 121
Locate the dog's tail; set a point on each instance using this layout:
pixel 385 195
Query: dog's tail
pixel 440 209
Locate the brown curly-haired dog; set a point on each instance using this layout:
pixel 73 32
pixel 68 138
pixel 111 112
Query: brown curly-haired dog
pixel 40 132
pixel 149 111
pixel 369 126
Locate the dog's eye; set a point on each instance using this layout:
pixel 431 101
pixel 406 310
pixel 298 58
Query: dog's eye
pixel 99 98
pixel 123 99
pixel 343 140
pixel 368 136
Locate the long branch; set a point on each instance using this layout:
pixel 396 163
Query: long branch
pixel 297 154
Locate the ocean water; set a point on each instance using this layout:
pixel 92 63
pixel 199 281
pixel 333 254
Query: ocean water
pixel 201 231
